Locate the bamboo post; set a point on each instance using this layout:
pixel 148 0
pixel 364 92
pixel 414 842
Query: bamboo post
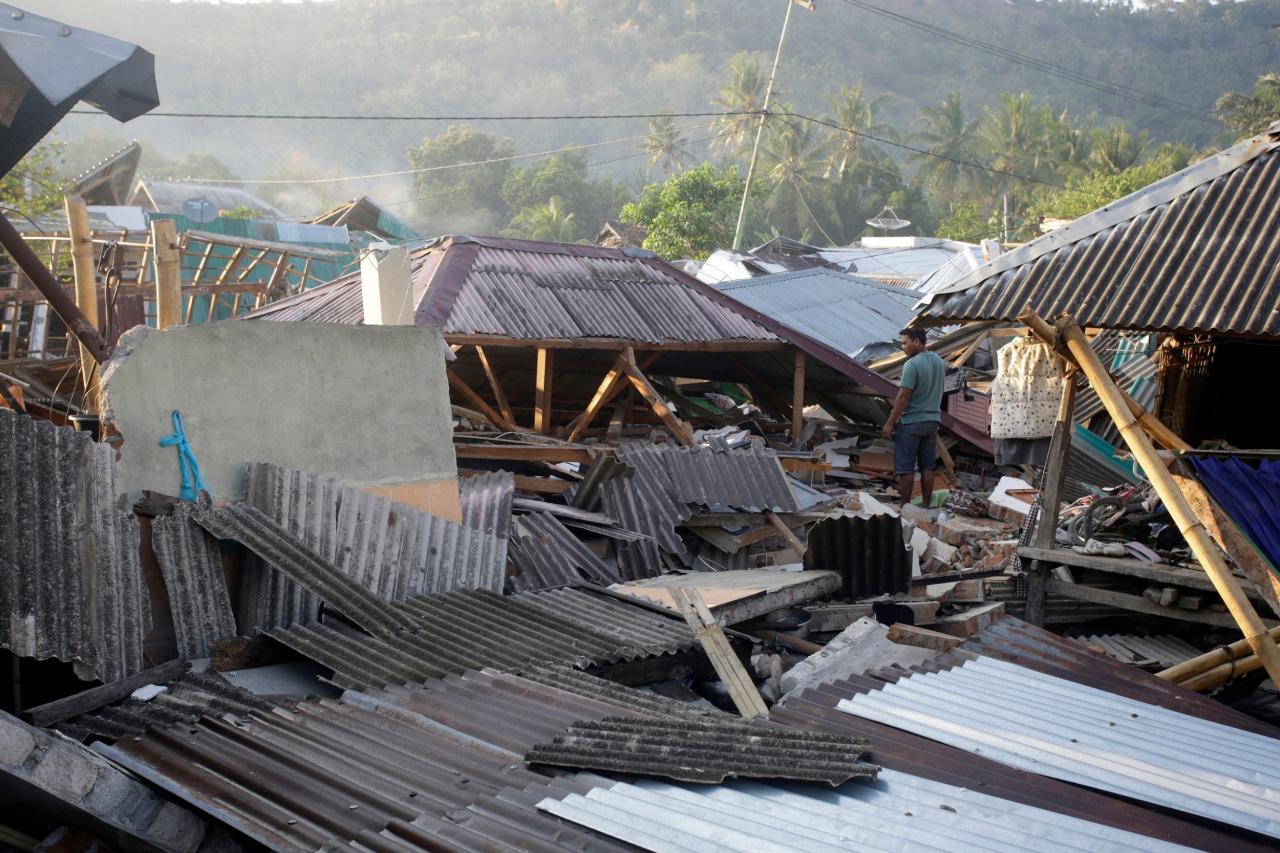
pixel 164 237
pixel 86 275
pixel 1051 499
pixel 1113 400
pixel 1212 668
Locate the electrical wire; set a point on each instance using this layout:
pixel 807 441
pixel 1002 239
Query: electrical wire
pixel 468 118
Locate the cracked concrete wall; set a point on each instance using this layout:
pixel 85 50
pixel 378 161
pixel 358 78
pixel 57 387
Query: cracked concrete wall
pixel 368 405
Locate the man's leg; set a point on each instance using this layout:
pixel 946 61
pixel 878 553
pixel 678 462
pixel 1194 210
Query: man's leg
pixel 926 488
pixel 927 459
pixel 904 461
pixel 906 485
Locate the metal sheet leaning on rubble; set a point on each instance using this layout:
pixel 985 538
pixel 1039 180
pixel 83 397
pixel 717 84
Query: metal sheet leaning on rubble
pixel 193 576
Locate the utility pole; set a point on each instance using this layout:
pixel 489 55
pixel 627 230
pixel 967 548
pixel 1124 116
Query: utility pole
pixel 1004 218
pixel 764 114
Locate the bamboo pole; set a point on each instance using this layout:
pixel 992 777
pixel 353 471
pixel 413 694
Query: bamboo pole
pixel 1212 668
pixel 1113 400
pixel 164 236
pixel 86 275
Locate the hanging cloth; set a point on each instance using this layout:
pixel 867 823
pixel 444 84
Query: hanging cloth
pixel 1026 392
pixel 192 483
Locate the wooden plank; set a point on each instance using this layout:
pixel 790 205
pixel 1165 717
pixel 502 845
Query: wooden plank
pixel 681 430
pixel 1129 567
pixel 543 485
pixel 164 234
pixel 732 543
pixel 1051 498
pixel 542 402
pixel 910 635
pixel 96 697
pixel 781 527
pixel 499 395
pixel 477 401
pixel 742 690
pixel 618 344
pixel 86 276
pixel 1232 539
pixel 1138 604
pixel 797 400
pixel 969 622
pixel 524 453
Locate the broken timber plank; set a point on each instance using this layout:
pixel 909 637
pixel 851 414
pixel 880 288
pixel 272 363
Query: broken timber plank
pixel 94 698
pixel 499 395
pixel 478 402
pixel 781 527
pixel 746 698
pixel 970 622
pixel 910 635
pixel 1138 604
pixel 524 452
pixel 681 430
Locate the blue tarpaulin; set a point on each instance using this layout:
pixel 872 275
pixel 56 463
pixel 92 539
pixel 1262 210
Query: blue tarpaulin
pixel 1250 494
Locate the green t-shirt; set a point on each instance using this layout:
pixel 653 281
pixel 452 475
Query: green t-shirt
pixel 923 374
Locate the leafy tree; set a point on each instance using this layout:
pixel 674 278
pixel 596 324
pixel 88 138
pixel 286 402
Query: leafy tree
pixel 952 141
pixel 551 221
pixel 969 222
pixel 35 185
pixel 1249 114
pixel 667 146
pixel 242 211
pixel 691 214
pixel 857 115
pixel 565 175
pixel 1088 192
pixel 742 92
pixel 467 197
pixel 1115 149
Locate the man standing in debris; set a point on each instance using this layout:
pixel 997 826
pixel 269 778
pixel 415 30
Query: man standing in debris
pixel 913 423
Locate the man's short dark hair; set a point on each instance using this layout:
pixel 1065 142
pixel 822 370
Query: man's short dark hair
pixel 915 334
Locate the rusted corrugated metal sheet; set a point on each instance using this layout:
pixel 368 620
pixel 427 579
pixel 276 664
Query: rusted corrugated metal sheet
pixel 194 578
pixel 278 548
pixel 187 699
pixel 706 751
pixel 900 750
pixel 463 630
pixel 73 587
pixel 867 553
pixel 547 554
pixel 486 502
pixel 389 549
pixel 330 773
pixel 1197 251
pixel 533 290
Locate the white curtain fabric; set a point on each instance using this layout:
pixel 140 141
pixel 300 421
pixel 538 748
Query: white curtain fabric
pixel 1026 392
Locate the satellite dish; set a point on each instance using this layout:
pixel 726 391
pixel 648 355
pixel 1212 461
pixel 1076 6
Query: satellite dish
pixel 887 220
pixel 200 210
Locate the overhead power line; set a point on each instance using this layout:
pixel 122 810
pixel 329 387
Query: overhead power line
pixel 354 117
pixel 1074 75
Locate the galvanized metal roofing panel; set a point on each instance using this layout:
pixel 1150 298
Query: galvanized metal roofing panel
pixel 842 311
pixel 192 567
pixel 390 550
pixel 1166 650
pixel 704 750
pixel 73 586
pixel 895 812
pixel 1196 251
pixel 1089 737
pixel 486 502
pixel 547 554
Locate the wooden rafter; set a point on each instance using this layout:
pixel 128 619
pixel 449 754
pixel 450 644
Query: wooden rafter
pixel 681 430
pixel 761 387
pixel 499 395
pixel 478 402
pixel 620 344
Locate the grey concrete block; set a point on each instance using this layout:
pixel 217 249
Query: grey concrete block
pixel 16 743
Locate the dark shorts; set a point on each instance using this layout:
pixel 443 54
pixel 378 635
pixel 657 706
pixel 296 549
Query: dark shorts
pixel 915 445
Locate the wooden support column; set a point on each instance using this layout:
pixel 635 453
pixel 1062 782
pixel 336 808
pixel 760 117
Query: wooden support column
pixel 542 404
pixel 797 401
pixel 1051 499
pixel 86 290
pixel 681 430
pixel 164 237
pixel 478 402
pixel 1113 400
pixel 499 395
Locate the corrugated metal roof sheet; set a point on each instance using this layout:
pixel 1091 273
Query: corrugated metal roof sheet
pixel 746 479
pixel 547 554
pixel 187 699
pixel 486 502
pixel 526 289
pixel 278 548
pixel 842 311
pixel 197 587
pixel 73 585
pixel 868 554
pixel 172 196
pixel 1166 650
pixel 1089 737
pixel 704 750
pixel 895 812
pixel 389 549
pixel 462 630
pixel 644 504
pixel 1135 374
pixel 1196 251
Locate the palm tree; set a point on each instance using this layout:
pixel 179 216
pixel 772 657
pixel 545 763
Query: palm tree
pixel 550 221
pixel 742 93
pixel 667 146
pixel 1249 114
pixel 857 116
pixel 1072 143
pixel 950 139
pixel 1116 149
pixel 1017 143
pixel 792 163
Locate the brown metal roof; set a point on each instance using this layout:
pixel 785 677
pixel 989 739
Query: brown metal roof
pixel 1196 251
